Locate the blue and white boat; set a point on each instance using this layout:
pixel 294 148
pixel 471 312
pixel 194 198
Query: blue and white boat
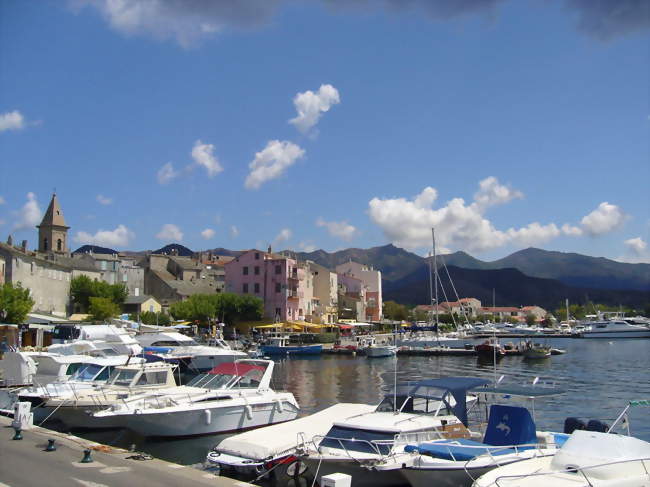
pixel 510 436
pixel 280 346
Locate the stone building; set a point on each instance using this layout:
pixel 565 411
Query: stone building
pixel 53 232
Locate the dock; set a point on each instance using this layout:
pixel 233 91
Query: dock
pixel 436 351
pixel 25 463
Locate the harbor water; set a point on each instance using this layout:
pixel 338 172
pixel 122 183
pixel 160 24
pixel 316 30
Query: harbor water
pixel 600 378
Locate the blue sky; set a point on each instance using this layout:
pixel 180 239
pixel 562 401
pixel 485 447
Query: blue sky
pixel 329 124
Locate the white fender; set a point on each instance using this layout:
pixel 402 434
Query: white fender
pixel 208 416
pixel 249 411
pixel 280 406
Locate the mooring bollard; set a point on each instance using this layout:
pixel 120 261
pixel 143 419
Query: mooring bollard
pixel 18 434
pixel 50 445
pixel 87 458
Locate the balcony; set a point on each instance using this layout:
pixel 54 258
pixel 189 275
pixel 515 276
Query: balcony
pixel 294 294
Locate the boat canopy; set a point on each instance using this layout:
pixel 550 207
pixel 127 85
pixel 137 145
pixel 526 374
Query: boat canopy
pixel 456 386
pixel 522 391
pixel 236 368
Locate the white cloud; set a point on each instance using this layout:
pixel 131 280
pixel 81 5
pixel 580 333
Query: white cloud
pixel 342 229
pixel 11 121
pixel 185 21
pixel 603 219
pixel 310 106
pixel 104 200
pixel 170 232
pixel 571 230
pixel 120 237
pixel 234 231
pixel 203 155
pixel 208 233
pixel 407 223
pixel 533 234
pixel 636 251
pixel 166 173
pixel 29 215
pixel 272 162
pixel 307 246
pixel 283 236
pixel 492 193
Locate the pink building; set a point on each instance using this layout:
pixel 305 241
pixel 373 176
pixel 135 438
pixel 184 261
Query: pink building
pixel 274 278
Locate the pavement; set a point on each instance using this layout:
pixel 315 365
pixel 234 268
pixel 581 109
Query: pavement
pixel 24 463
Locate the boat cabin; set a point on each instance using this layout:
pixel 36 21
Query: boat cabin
pixel 155 374
pixel 240 374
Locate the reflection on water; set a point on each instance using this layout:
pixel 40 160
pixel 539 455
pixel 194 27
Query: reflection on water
pixel 600 377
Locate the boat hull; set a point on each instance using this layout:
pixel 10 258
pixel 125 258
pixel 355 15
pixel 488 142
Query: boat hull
pixel 207 420
pixel 291 350
pixel 442 477
pixel 616 334
pixel 377 352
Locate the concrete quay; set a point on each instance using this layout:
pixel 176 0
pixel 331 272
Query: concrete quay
pixel 25 463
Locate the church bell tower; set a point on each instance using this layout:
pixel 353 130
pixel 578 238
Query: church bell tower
pixel 53 232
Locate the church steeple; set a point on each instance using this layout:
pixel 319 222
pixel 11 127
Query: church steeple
pixel 53 232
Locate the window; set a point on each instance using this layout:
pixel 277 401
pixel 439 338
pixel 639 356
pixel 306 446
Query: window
pixel 278 287
pixel 103 265
pixel 124 277
pixel 59 245
pixel 257 270
pixel 278 312
pixel 45 244
pixel 278 269
pixel 256 288
pixel 257 256
pixel 245 270
pixel 245 287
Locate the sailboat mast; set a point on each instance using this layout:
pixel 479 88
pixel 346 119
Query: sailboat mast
pixel 435 275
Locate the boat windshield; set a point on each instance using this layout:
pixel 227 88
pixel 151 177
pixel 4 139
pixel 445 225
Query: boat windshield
pixel 91 372
pixel 412 405
pixel 365 441
pixel 175 343
pixel 122 377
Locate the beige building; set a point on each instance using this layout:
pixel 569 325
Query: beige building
pixel 140 304
pixel 324 294
pixel 48 282
pixel 371 280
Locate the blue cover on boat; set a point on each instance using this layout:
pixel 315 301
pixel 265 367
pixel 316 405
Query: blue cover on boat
pixel 457 450
pixel 510 425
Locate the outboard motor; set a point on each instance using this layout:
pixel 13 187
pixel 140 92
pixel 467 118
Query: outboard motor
pixel 572 424
pixel 598 426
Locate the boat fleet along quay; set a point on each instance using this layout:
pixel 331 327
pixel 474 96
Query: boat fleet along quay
pixel 27 463
pixel 599 376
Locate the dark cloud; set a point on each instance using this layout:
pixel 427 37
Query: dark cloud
pixel 606 19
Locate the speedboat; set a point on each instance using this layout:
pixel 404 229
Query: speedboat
pixel 231 397
pixel 586 458
pixel 510 436
pixel 177 348
pixel 614 329
pixel 425 410
pixel 271 450
pixel 534 351
pixel 372 349
pixel 74 406
pixel 279 345
pixel 490 349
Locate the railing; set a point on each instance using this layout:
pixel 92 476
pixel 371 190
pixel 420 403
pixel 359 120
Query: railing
pixel 578 470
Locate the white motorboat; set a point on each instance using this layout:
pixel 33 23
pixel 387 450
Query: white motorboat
pixel 231 397
pixel 369 346
pixel 426 410
pixel 273 448
pixel 510 436
pixel 74 403
pixel 614 329
pixel 587 458
pixel 185 351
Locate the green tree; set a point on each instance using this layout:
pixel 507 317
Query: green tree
pixel 15 303
pixel 82 288
pixel 530 319
pixel 101 309
pixel 228 307
pixel 395 311
pixel 151 318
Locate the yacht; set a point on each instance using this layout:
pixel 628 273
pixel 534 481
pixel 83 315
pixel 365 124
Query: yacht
pixel 425 410
pixel 190 355
pixel 369 346
pixel 614 329
pixel 231 397
pixel 587 458
pixel 74 406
